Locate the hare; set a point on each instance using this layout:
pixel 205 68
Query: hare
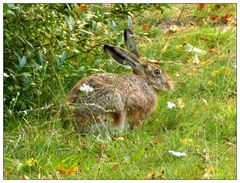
pixel 119 97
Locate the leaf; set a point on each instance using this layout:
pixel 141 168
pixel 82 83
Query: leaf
pixel 96 62
pixel 113 24
pixel 71 170
pixel 157 140
pixel 194 50
pixel 19 58
pixel 165 47
pixel 178 154
pixel 138 155
pixel 180 103
pixel 71 22
pixel 173 28
pixel 61 170
pixel 24 177
pixel 195 60
pixel 223 70
pixel 83 7
pixel 26 74
pixel 209 172
pixel 22 62
pixel 214 50
pixel 206 62
pixel 213 18
pixel 115 165
pixel 6 171
pixel 41 58
pixel 205 102
pixel 225 18
pixel 82 68
pixel 102 147
pixel 67 171
pixel 218 6
pixel 63 57
pixel 126 157
pixel 146 27
pixel 156 175
pixel 120 138
pixel 58 63
pixel 201 5
pixel 129 21
pixel 75 51
pixel 46 41
pixel 86 32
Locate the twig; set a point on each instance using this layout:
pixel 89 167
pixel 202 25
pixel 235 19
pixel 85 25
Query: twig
pixel 183 8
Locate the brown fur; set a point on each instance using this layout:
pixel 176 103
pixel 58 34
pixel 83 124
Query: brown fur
pixel 119 97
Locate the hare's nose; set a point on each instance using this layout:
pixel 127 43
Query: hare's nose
pixel 170 85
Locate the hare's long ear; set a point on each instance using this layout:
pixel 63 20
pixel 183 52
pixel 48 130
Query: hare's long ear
pixel 131 45
pixel 124 57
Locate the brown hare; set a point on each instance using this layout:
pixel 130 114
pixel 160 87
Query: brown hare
pixel 118 98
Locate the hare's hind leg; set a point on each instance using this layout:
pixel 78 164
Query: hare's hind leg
pixel 119 112
pixel 119 117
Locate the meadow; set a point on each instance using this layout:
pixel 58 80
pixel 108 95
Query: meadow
pixel 48 48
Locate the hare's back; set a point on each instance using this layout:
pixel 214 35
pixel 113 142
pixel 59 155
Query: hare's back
pixel 108 82
pixel 91 85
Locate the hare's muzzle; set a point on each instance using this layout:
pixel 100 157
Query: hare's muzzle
pixel 167 86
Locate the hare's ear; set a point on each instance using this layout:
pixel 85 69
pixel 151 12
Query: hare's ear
pixel 131 45
pixel 123 56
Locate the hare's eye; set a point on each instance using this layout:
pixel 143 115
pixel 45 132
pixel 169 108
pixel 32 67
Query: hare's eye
pixel 157 72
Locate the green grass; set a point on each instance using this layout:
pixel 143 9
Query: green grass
pixel 204 128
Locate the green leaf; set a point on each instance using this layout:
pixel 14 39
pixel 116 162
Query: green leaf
pixel 193 50
pixel 82 68
pixel 71 22
pixel 129 21
pixel 86 32
pixel 63 57
pixel 22 62
pixel 96 62
pixel 19 58
pixel 41 58
pixel 26 74
pixel 59 63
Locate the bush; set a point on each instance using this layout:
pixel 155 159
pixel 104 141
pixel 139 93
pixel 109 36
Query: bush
pixel 48 47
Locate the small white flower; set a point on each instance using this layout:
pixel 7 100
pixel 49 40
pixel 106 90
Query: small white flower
pixel 177 153
pixel 86 88
pixel 25 112
pixel 170 105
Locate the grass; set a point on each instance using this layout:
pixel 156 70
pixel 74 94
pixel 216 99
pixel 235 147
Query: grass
pixel 203 125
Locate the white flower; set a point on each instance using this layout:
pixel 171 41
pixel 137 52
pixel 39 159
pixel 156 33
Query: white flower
pixel 86 88
pixel 170 105
pixel 177 153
